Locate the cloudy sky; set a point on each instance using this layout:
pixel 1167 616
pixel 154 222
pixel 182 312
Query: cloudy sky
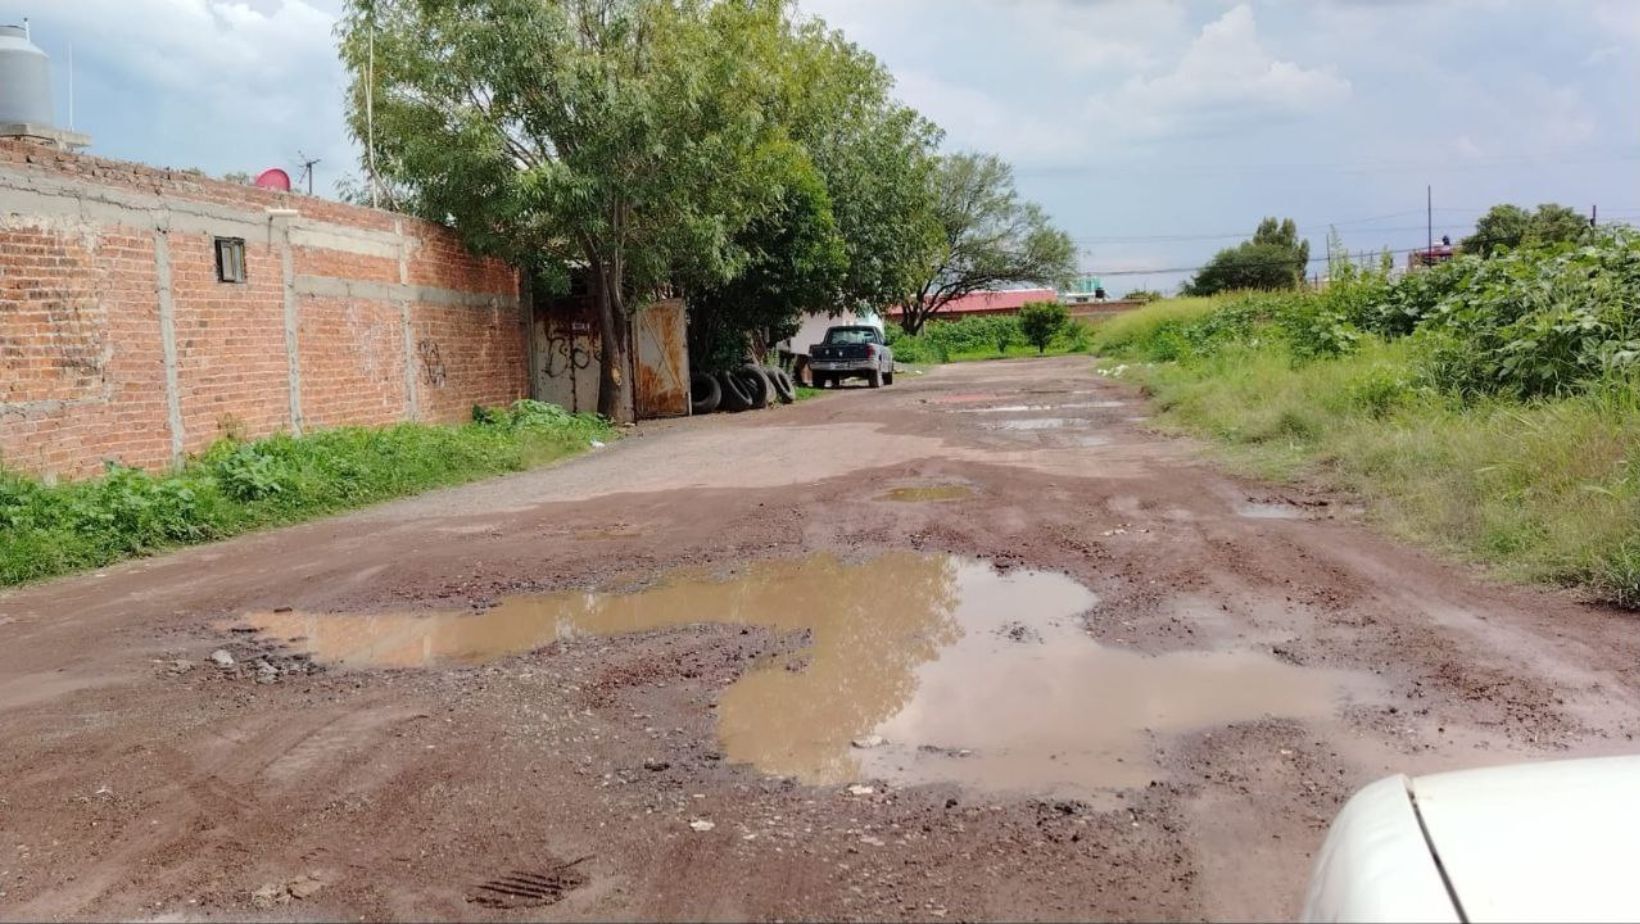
pixel 1155 131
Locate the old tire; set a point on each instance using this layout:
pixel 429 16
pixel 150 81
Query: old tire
pixel 783 388
pixel 756 383
pixel 875 378
pixel 705 394
pixel 735 396
pixel 888 377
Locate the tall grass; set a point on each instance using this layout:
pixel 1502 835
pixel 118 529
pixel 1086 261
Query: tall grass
pixel 1544 489
pixel 235 486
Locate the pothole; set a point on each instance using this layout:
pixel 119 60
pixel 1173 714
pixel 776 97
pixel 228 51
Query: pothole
pixel 1273 510
pixel 933 493
pixel 924 651
pixel 1032 423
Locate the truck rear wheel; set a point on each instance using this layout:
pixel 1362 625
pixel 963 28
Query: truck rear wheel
pixel 875 378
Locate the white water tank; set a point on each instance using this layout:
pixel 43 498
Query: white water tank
pixel 25 80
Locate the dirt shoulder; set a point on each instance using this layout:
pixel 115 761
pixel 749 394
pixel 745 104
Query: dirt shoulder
pixel 591 777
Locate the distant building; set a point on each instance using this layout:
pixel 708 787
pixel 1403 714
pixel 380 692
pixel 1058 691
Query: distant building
pixel 1085 290
pixel 1440 253
pixel 1008 301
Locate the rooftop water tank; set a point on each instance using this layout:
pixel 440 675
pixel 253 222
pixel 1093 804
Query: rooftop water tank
pixel 25 80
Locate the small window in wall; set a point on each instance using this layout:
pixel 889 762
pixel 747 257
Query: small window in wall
pixel 230 259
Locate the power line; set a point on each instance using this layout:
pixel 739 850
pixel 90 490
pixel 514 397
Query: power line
pixel 1237 235
pixel 1192 269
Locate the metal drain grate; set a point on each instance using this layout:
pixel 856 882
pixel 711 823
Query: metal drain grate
pixel 527 888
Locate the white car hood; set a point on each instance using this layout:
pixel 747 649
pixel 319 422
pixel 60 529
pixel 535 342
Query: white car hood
pixel 1556 841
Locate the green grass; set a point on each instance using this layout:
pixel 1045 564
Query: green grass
pixel 973 339
pixel 1544 490
pixel 48 530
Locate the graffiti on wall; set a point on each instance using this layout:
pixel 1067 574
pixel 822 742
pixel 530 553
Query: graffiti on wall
pixel 432 364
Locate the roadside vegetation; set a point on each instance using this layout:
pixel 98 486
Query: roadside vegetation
pixel 237 486
pixel 745 153
pixel 1489 406
pixel 993 337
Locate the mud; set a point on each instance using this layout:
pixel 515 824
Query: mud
pixel 710 673
pixel 932 494
pixel 901 650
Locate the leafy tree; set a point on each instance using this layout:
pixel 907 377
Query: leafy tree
pixel 796 264
pixel 987 237
pixel 1511 227
pixel 1003 331
pixel 238 176
pixel 1041 322
pixel 624 138
pixel 1273 259
pixel 851 226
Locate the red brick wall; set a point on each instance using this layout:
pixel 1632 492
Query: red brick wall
pixel 82 356
pixel 352 362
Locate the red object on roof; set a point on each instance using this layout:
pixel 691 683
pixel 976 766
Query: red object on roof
pixel 1006 302
pixel 274 178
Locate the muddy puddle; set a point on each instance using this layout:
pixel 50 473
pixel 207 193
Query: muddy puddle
pixel 1034 423
pixel 1273 510
pixel 1021 408
pixel 929 494
pixel 967 675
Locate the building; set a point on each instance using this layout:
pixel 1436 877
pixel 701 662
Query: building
pixel 980 304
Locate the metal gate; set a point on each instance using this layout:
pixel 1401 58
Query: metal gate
pixel 661 351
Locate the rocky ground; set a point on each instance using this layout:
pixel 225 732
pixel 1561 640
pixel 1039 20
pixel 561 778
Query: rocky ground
pixel 628 773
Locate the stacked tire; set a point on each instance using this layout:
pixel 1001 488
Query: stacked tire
pixel 748 388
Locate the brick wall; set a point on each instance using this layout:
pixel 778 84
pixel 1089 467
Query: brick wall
pixel 117 341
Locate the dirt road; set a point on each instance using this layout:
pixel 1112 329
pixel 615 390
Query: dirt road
pixel 973 646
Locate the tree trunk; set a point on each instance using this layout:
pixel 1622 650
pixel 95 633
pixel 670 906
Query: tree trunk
pixel 614 387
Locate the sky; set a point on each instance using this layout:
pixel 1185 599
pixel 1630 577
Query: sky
pixel 1153 131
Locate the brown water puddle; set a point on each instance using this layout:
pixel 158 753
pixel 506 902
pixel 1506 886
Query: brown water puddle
pixel 969 675
pixel 944 492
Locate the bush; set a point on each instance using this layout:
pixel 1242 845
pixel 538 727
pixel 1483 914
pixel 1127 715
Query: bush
pixel 1490 407
pixel 236 485
pixel 1040 323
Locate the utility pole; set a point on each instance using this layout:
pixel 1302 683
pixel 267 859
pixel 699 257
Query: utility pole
pixel 1429 218
pixel 1594 215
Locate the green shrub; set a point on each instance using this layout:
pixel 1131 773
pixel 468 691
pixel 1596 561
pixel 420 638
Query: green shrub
pixel 1040 323
pixel 234 486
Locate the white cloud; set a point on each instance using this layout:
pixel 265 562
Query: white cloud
pixel 1226 79
pixel 1110 35
pixel 255 79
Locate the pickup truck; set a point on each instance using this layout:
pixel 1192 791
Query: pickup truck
pixel 852 352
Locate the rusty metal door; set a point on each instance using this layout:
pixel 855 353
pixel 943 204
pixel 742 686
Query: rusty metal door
pixel 565 356
pixel 659 333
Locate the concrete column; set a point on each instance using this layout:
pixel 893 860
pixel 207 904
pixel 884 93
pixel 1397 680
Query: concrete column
pixel 412 402
pixel 168 343
pixel 292 325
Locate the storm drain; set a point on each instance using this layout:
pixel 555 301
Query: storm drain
pixel 528 888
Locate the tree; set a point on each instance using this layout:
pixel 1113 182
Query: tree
pixel 1274 258
pixel 620 138
pixel 238 176
pixel 850 227
pixel 796 264
pixel 1041 322
pixel 1507 227
pixel 987 236
pixel 1145 296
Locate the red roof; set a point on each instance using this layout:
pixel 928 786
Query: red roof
pixel 990 302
